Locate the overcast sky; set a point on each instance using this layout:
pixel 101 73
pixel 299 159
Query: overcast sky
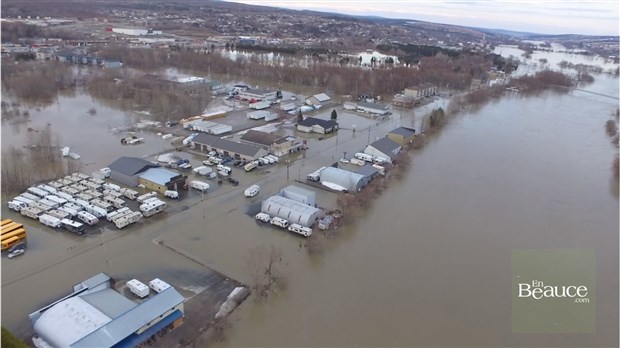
pixel 539 16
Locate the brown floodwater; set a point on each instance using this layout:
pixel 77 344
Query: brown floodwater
pixel 427 265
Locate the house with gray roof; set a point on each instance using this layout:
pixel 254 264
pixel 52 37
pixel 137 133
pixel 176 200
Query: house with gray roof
pixel 402 135
pixel 385 148
pixel 317 125
pixel 208 142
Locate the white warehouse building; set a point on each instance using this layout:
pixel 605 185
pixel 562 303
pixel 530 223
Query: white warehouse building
pixel 353 182
pixel 291 210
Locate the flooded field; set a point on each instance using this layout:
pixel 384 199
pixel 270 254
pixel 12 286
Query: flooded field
pixel 428 265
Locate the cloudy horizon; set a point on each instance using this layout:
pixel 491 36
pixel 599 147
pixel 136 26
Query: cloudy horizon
pixel 544 17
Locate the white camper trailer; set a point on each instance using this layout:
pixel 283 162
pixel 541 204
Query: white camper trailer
pixel 138 288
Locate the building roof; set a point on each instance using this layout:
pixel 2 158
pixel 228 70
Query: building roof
pixel 322 97
pixel 205 139
pixel 108 302
pixel 159 176
pixel 344 178
pixel 258 91
pixel 258 137
pixel 311 121
pixel 131 165
pixel 129 322
pixel 69 321
pixel 290 210
pixel 367 170
pixel 403 131
pixel 386 146
pixel 293 192
pixel 227 145
pixel 375 106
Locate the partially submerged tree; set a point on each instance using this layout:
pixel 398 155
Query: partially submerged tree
pixel 334 114
pixel 266 268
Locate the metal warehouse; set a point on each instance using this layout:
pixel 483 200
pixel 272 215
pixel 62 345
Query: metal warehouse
pixel 161 180
pixel 300 195
pixel 291 210
pixel 351 181
pixel 95 315
pixel 126 170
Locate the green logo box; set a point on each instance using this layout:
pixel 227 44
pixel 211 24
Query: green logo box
pixel 553 290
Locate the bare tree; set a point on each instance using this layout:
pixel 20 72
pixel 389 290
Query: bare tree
pixel 267 269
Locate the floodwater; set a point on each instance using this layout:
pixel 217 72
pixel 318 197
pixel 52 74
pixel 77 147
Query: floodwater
pixel 427 265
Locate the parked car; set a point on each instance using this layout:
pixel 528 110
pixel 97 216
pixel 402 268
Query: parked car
pixel 234 182
pixel 16 253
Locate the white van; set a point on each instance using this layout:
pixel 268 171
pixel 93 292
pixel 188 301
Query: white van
pixel 251 191
pixel 171 194
pixel 158 285
pixel 49 220
pixel 363 157
pixel 17 205
pixel 304 231
pixel 87 218
pixel 280 222
pixel 222 168
pixel 263 217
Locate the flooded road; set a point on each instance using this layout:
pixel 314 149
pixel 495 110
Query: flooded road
pixel 428 265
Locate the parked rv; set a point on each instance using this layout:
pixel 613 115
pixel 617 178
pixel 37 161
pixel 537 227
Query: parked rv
pixel 199 185
pixel 251 191
pixel 56 199
pixel 116 202
pixel 129 194
pixel 68 210
pixel 32 212
pixel 127 219
pixel 250 166
pixel 106 172
pixel 87 218
pixel 146 196
pixel 73 206
pixel 299 229
pixel 363 157
pixel 117 213
pixel 30 196
pixel 111 187
pixel 49 203
pixel 152 208
pixel 49 220
pixel 38 192
pixel 26 201
pixel 263 217
pixel 17 205
pixel 60 214
pixel 138 288
pixel 97 211
pixel 102 204
pixel 358 162
pixel 171 194
pixel 280 222
pixel 47 188
pixel 73 226
pixel 158 285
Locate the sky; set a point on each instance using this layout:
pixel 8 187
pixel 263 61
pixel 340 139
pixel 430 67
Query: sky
pixel 588 17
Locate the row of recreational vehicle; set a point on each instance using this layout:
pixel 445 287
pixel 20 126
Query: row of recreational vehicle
pixel 283 223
